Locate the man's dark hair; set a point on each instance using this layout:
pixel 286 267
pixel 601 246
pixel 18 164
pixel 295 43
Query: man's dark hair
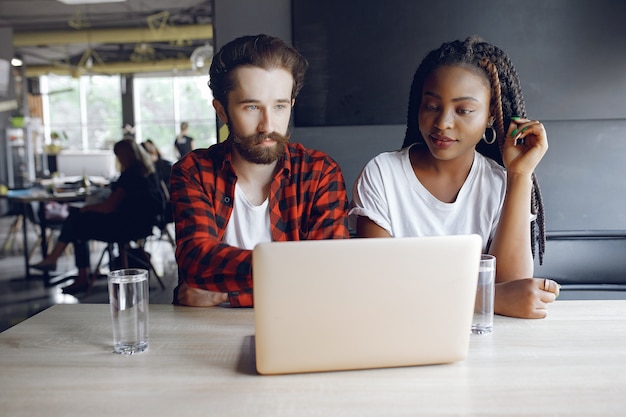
pixel 261 51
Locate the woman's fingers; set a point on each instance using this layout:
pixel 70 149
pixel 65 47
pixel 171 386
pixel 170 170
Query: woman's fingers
pixel 520 128
pixel 551 290
pixel 526 144
pixel 520 132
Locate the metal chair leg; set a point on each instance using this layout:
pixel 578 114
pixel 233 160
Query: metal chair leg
pixel 124 254
pixel 13 234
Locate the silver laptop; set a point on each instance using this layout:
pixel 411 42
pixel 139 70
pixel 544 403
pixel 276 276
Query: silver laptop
pixel 330 305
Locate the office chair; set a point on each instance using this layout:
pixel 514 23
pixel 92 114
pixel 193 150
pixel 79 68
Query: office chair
pixel 53 224
pixel 131 254
pixel 164 225
pixel 168 215
pixel 137 253
pixel 12 239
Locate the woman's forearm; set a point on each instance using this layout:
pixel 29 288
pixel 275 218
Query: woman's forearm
pixel 512 241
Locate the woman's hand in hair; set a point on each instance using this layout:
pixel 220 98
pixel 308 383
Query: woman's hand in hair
pixel 525 145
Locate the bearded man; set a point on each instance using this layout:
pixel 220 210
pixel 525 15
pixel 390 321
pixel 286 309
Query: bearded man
pixel 255 186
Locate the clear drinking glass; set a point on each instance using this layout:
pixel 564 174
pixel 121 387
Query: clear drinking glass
pixel 129 301
pixel 483 310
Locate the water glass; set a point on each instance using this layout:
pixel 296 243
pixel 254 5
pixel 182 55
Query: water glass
pixel 128 298
pixel 482 322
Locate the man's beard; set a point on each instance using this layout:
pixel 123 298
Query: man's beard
pixel 250 148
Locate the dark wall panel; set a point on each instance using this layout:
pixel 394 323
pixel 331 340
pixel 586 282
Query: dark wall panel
pixel 363 54
pixel 583 175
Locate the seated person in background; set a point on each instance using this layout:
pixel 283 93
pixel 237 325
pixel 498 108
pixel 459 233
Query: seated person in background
pixel 254 187
pixel 162 166
pixel 129 212
pixel 163 169
pixel 438 184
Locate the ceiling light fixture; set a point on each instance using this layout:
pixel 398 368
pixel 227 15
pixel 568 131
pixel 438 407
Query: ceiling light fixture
pixel 201 57
pixel 73 2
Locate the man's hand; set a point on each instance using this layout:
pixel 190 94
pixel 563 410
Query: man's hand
pixel 195 297
pixel 525 298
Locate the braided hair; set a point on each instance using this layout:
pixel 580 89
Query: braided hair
pixel 507 101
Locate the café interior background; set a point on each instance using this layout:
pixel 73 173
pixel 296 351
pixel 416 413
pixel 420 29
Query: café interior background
pixel 585 100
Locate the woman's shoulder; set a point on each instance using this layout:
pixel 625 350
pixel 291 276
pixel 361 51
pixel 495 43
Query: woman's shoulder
pixel 489 164
pixel 490 171
pixel 389 159
pixel 384 167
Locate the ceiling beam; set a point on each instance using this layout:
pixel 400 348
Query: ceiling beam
pixel 112 68
pixel 120 35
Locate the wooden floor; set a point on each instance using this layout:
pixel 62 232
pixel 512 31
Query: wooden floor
pixel 21 298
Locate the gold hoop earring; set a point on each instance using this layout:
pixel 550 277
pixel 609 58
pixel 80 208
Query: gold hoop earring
pixel 494 135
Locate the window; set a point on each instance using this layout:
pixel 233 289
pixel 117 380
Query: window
pixel 86 112
pixel 162 103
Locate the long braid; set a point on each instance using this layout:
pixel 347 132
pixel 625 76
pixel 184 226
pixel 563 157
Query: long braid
pixel 507 101
pixel 513 100
pixel 492 71
pixel 539 225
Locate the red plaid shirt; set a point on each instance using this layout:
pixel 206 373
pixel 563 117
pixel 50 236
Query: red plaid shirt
pixel 307 200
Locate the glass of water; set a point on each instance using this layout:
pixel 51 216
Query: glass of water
pixel 483 309
pixel 128 298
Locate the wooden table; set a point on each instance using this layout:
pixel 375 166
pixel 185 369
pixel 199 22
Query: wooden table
pixel 201 363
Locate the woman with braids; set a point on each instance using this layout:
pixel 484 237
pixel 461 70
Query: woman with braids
pixel 466 166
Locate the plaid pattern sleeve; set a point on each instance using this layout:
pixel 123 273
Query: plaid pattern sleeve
pixel 307 201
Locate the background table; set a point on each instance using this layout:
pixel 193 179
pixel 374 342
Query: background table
pixel 201 363
pixel 40 196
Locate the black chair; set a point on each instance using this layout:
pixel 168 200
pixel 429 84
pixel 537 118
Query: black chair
pixel 130 246
pixel 168 215
pixel 164 225
pixel 50 225
pixel 131 253
pixel 12 238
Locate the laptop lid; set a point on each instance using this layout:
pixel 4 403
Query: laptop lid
pixel 330 305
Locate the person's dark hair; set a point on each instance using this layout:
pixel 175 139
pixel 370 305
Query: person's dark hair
pixel 130 155
pixel 507 101
pixel 261 51
pixel 151 148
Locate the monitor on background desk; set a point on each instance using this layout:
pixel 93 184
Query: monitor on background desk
pixel 91 163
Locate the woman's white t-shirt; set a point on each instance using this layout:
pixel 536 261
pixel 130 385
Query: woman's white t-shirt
pixel 388 193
